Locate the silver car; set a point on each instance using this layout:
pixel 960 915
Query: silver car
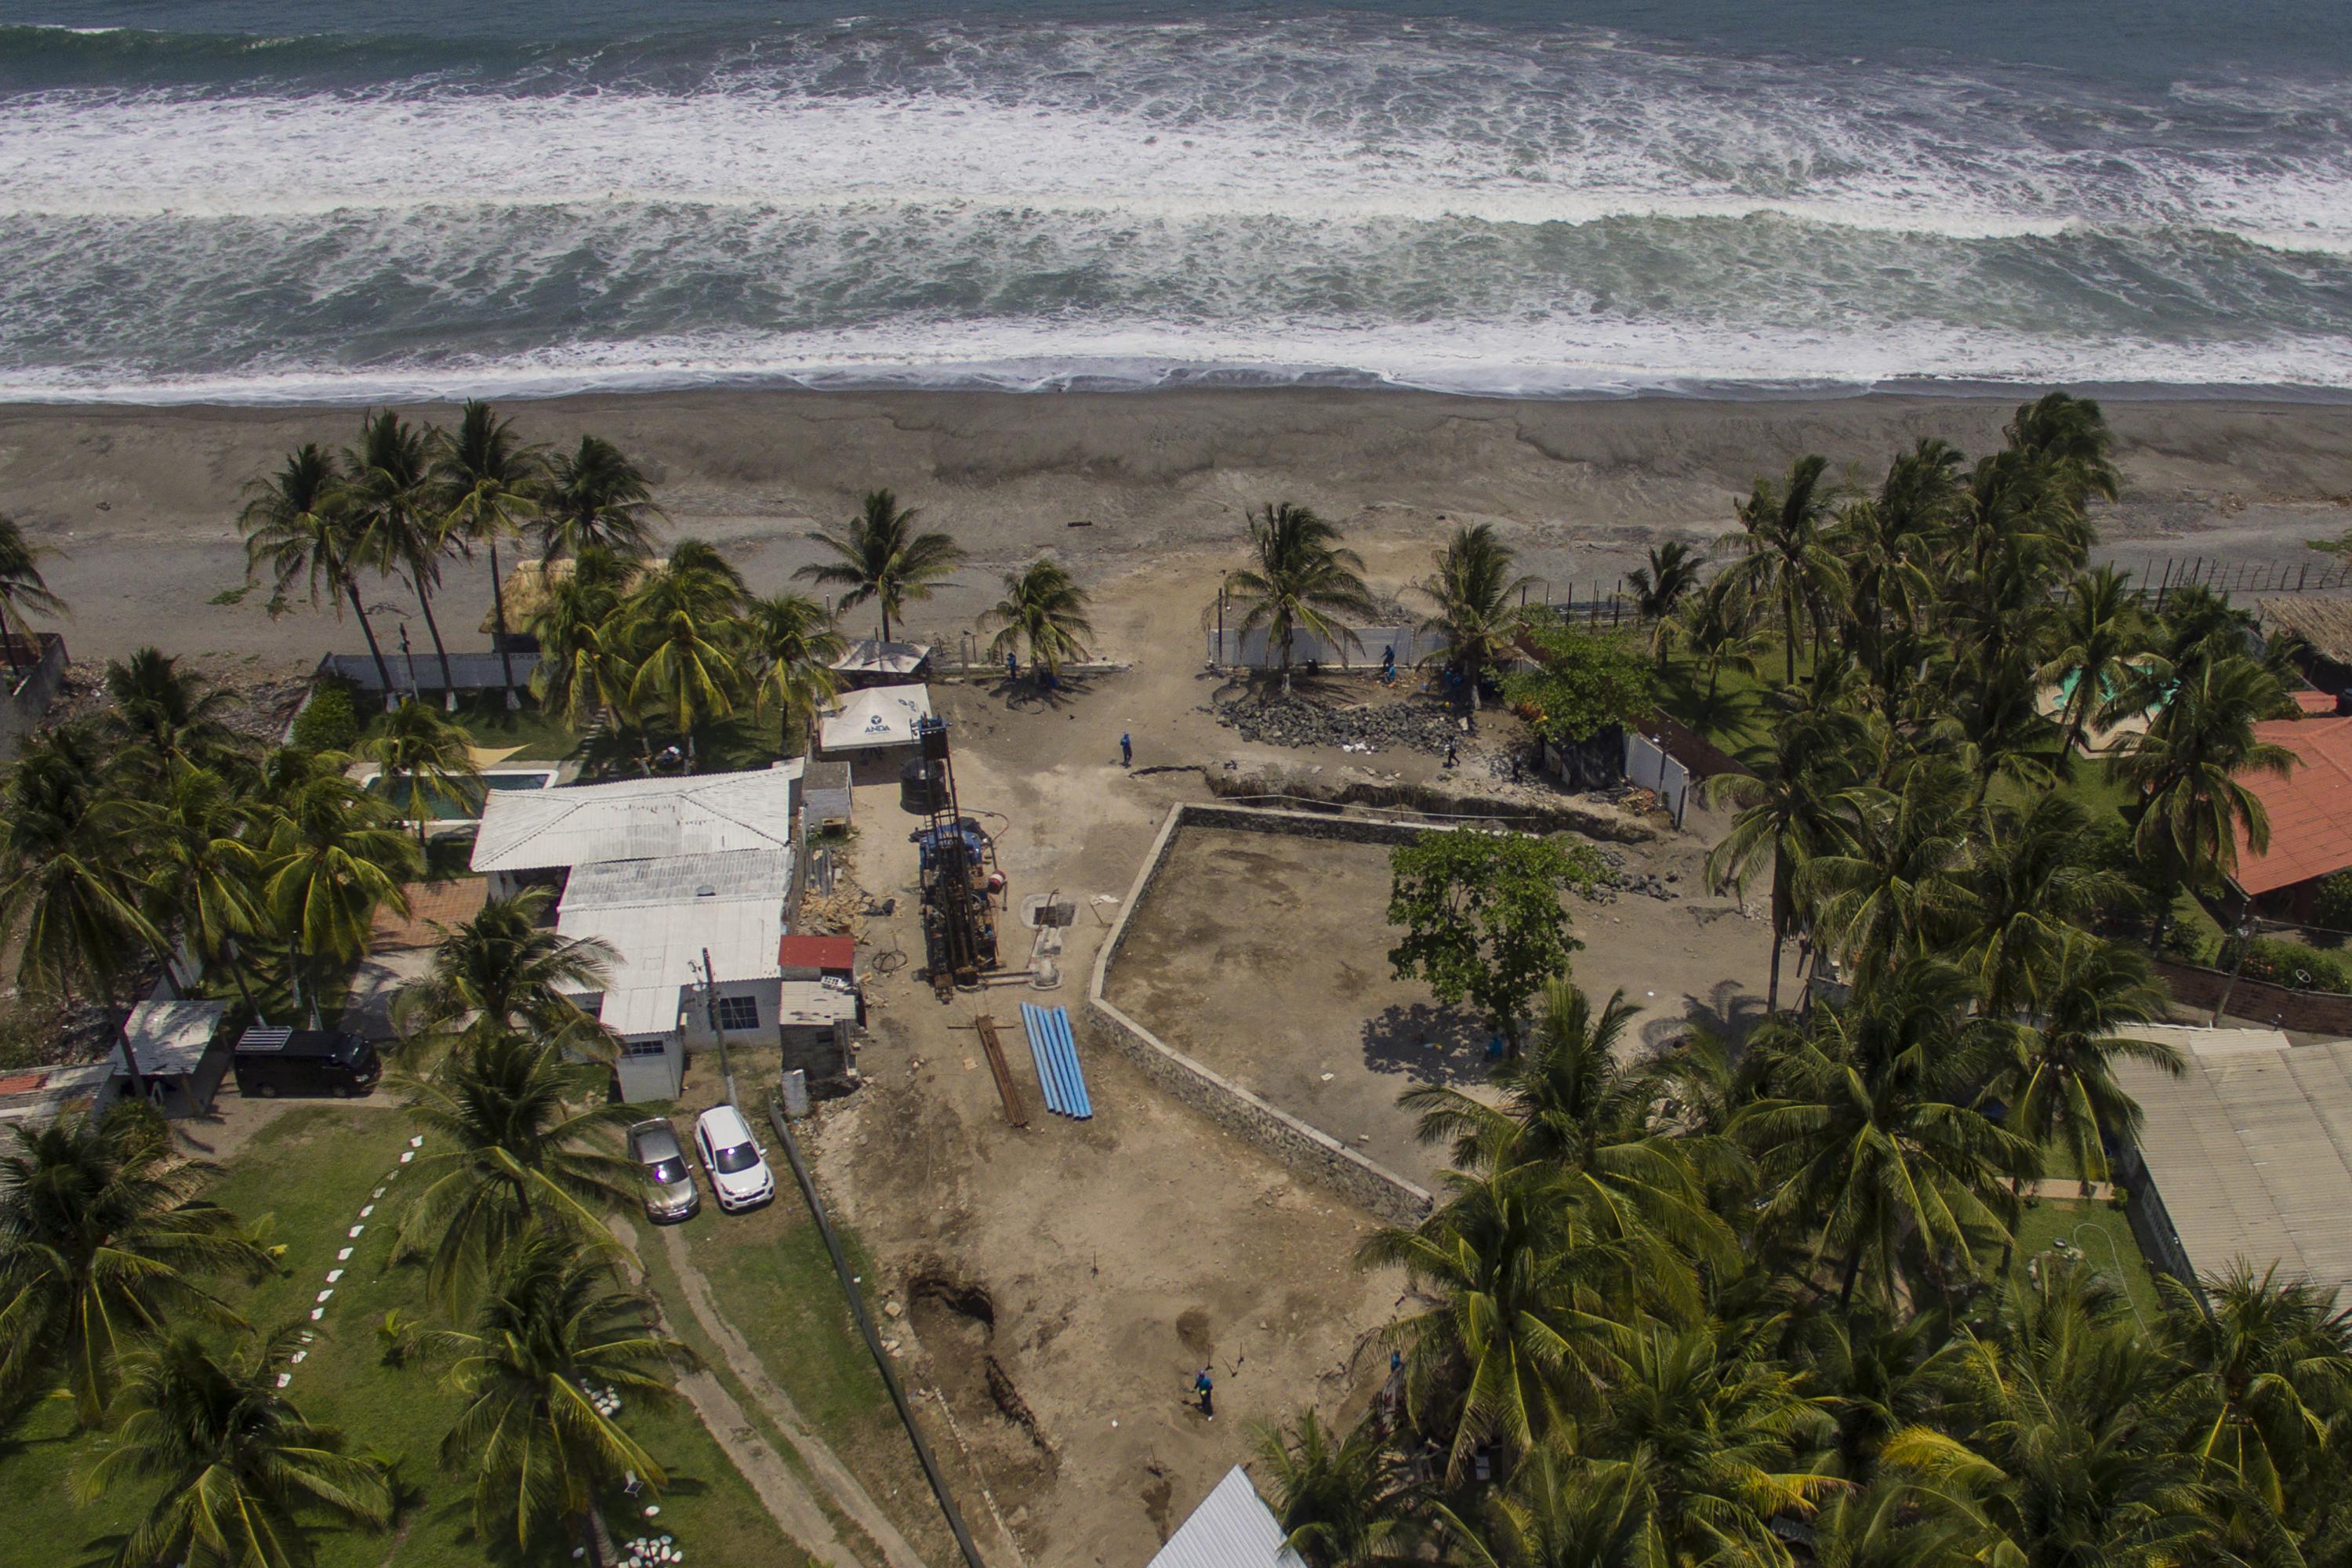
pixel 670 1191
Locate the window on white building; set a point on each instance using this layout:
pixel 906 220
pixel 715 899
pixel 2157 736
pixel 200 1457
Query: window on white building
pixel 738 1012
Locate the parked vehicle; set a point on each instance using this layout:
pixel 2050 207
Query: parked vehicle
pixel 670 1191
pixel 270 1062
pixel 730 1158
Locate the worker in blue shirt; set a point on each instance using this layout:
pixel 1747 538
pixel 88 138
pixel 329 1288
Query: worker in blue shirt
pixel 1206 1387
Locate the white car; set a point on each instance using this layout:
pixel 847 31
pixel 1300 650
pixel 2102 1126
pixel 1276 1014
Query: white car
pixel 731 1159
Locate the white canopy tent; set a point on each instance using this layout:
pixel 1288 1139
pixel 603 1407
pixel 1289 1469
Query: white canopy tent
pixel 876 718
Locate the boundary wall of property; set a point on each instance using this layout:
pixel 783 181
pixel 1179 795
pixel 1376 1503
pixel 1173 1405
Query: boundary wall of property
pixel 1305 1149
pixel 2321 1012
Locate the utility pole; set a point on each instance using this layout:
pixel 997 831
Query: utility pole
pixel 717 1030
pixel 2245 940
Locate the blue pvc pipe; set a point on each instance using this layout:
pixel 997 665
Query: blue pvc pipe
pixel 1037 1058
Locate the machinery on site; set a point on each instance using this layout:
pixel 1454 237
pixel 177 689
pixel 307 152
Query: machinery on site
pixel 960 883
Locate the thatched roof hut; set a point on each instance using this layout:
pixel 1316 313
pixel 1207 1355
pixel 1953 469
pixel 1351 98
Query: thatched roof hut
pixel 2323 623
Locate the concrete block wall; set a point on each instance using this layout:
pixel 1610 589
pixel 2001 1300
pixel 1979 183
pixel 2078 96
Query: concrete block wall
pixel 1307 1149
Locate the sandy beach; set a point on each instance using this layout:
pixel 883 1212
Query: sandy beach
pixel 140 504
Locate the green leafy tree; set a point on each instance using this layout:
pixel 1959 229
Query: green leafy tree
pixel 160 714
pixel 792 640
pixel 102 1240
pixel 1043 612
pixel 487 484
pixel 1585 682
pixel 1482 918
pixel 1560 1511
pixel 507 971
pixel 583 667
pixel 1896 888
pixel 69 894
pixel 518 1139
pixel 1299 577
pixel 1789 555
pixel 244 1474
pixel 297 522
pixel 427 760
pixel 1716 624
pixel 1475 596
pixel 1659 590
pixel 2269 1385
pixel 682 629
pixel 2069 434
pixel 596 499
pixel 2059 1082
pixel 199 869
pixel 879 557
pixel 335 855
pixel 552 1329
pixel 1801 802
pixel 2032 879
pixel 2102 647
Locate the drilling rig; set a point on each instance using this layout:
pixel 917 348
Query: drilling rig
pixel 959 879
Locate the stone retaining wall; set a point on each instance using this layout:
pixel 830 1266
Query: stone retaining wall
pixel 1304 1149
pixel 2192 985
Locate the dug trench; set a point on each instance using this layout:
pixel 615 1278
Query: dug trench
pixel 954 1322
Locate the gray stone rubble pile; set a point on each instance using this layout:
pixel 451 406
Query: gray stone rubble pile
pixel 1298 722
pixel 1617 880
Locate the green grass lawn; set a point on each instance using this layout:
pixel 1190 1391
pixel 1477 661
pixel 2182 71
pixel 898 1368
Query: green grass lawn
pixel 311 1171
pixel 542 737
pixel 2091 1227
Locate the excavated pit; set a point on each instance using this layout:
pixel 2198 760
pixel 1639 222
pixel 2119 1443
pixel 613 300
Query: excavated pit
pixel 954 1319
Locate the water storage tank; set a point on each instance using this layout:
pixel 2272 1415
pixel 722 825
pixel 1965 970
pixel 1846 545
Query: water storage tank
pixel 922 785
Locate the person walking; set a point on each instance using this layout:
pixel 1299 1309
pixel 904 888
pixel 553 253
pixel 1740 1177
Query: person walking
pixel 1012 665
pixel 1126 751
pixel 1206 1387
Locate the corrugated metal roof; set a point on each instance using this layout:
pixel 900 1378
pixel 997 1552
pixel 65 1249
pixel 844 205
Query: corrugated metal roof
pixel 636 819
pixel 680 880
pixel 658 943
pixel 1232 1527
pixel 2251 1150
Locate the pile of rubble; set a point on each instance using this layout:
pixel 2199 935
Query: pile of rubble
pixel 1617 880
pixel 1371 726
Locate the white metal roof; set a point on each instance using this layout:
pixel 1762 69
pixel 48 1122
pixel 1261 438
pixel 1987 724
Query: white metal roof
pixel 1232 1527
pixel 169 1037
pixel 876 717
pixel 659 925
pixel 869 656
pixel 814 1002
pixel 636 819
pixel 2251 1150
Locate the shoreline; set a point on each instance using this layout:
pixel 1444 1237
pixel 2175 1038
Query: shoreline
pixel 1136 493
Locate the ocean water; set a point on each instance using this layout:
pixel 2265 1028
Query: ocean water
pixel 251 200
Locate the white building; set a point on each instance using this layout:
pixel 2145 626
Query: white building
pixel 686 879
pixel 878 719
pixel 1230 1528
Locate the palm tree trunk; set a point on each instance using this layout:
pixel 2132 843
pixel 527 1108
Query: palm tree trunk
pixel 8 644
pixel 499 608
pixel 885 603
pixel 433 627
pixel 1772 992
pixel 1788 629
pixel 1852 1272
pixel 244 989
pixel 367 629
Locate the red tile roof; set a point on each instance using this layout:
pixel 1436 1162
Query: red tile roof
pixel 2310 809
pixel 816 952
pixel 2316 701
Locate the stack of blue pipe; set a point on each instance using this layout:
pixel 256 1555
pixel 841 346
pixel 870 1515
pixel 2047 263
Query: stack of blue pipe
pixel 1056 1055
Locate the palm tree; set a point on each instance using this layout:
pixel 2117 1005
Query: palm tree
pixel 2030 882
pixel 1474 591
pixel 426 760
pixel 681 628
pixel 1519 1339
pixel 1044 611
pixel 581 668
pixel 1300 576
pixel 2270 1371
pixel 1868 1139
pixel 1660 588
pixel 1570 1105
pixel 879 557
pixel 1789 555
pixel 295 521
pixel 2101 640
pixel 2059 1082
pixel 1893 540
pixel 102 1239
pixel 333 858
pixel 162 714
pixel 508 1151
pixel 1895 889
pixel 243 1470
pixel 2070 435
pixel 596 499
pixel 21 590
pixel 387 481
pixel 1714 1437
pixel 1717 625
pixel 792 638
pixel 199 867
pixel 68 893
pixel 1802 802
pixel 1562 1513
pixel 507 972
pixel 2189 772
pixel 487 484
pixel 530 1433
pixel 1342 1502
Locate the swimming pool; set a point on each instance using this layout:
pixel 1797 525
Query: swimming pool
pixel 448 808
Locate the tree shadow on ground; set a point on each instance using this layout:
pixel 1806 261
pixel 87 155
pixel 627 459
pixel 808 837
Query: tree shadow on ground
pixel 1729 1010
pixel 1022 694
pixel 1437 1045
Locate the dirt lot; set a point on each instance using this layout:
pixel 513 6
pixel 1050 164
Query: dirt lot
pixel 1266 959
